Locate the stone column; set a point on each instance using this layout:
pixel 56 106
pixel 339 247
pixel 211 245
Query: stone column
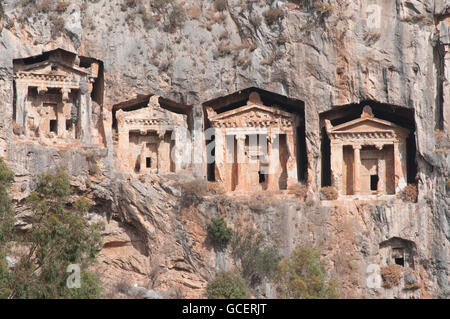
pixel 231 160
pixel 356 169
pixel 181 149
pixel 253 162
pixel 163 154
pixel 142 159
pixel 336 161
pixel 123 141
pixel 219 155
pixel 198 143
pixel 60 120
pixel 85 111
pixel 60 116
pixel 242 183
pixel 274 163
pixel 381 167
pixel 21 104
pixel 400 166
pixel 291 166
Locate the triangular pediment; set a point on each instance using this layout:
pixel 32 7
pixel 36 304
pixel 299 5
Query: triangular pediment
pixel 155 113
pixel 367 125
pixel 45 67
pixel 253 111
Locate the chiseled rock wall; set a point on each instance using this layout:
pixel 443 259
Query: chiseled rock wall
pixel 345 57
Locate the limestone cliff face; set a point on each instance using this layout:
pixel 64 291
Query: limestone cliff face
pixel 348 52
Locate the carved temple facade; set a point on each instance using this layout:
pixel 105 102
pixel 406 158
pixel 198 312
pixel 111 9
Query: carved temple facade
pixel 255 146
pixel 57 98
pixel 151 139
pixel 368 156
pixel 258 137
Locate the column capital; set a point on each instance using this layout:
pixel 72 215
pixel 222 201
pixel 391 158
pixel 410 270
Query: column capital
pixel 272 136
pixel 42 90
pixel 65 94
pixel 240 136
pixel 337 144
pixel 21 85
pixel 356 147
pixel 379 146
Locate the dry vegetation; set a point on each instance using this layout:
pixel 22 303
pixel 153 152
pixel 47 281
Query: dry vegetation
pixel 391 274
pixel 299 191
pixel 220 5
pixel 439 135
pixel 193 191
pixel 273 15
pixel 215 188
pixel 93 166
pixel 410 193
pixel 329 192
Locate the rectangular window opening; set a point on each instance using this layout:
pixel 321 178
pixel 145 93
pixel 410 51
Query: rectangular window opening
pixel 68 125
pixel 53 126
pixel 373 182
pixel 262 177
pixel 400 261
pixel 148 162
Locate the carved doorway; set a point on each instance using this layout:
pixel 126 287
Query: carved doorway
pixel 369 176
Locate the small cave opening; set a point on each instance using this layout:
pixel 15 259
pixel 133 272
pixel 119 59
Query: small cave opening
pixel 398 251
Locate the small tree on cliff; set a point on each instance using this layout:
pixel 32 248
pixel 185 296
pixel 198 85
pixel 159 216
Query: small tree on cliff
pixel 227 285
pixel 219 232
pixel 302 275
pixel 6 226
pixel 60 236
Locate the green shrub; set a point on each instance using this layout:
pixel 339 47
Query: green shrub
pixel 324 9
pixel 256 260
pixel 6 228
pixel 227 285
pixel 219 232
pixel 302 275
